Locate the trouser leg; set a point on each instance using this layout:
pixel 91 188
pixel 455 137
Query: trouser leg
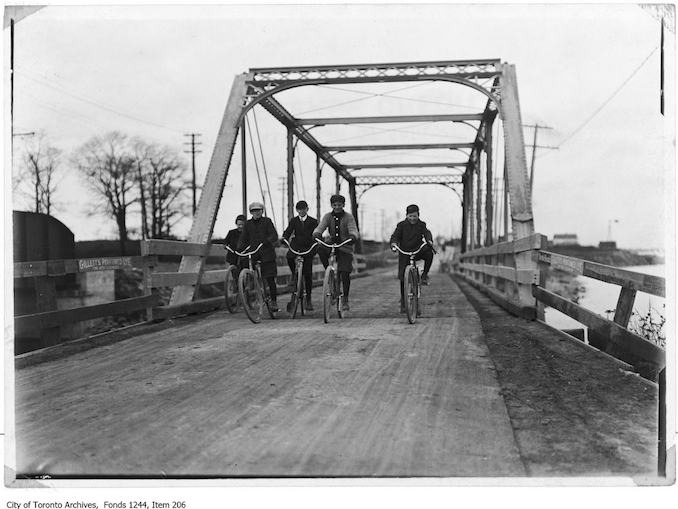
pixel 428 260
pixel 346 282
pixel 273 289
pixel 307 270
pixel 402 292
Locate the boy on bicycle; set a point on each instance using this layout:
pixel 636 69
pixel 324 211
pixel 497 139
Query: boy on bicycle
pixel 260 230
pixel 341 226
pixel 301 230
pixel 408 235
pixel 232 238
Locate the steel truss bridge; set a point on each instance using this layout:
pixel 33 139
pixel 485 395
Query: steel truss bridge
pixel 474 158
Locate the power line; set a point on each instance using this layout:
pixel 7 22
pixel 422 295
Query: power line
pixel 263 163
pixel 635 71
pixel 370 94
pixel 256 164
pixel 99 105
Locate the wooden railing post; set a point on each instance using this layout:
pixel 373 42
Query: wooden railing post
pixel 148 271
pixel 624 310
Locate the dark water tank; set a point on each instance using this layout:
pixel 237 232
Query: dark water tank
pixel 41 237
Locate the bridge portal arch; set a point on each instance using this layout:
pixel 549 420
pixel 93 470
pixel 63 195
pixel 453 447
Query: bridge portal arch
pixel 493 78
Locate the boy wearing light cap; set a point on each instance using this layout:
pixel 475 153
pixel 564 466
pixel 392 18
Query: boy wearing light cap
pixel 260 230
pixel 341 226
pixel 301 230
pixel 409 235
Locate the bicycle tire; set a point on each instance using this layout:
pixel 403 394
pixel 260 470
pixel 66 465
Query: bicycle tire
pixel 411 299
pixel 297 293
pixel 250 295
pixel 339 297
pixel 328 291
pixel 231 295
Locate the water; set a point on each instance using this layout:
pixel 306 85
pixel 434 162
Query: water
pixel 600 297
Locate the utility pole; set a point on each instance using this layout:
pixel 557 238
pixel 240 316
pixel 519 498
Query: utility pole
pixel 193 151
pixel 536 128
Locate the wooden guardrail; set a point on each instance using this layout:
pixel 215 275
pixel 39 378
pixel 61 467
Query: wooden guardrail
pixel 49 317
pixel 611 336
pixel 495 270
pixel 48 320
pixel 505 272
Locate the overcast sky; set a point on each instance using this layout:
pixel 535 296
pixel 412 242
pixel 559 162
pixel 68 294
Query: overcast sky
pixel 591 72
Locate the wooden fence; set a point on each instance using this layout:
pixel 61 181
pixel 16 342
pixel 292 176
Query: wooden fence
pixel 48 320
pixel 513 274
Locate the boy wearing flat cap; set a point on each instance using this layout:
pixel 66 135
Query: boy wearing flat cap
pixel 301 230
pixel 260 230
pixel 341 226
pixel 409 235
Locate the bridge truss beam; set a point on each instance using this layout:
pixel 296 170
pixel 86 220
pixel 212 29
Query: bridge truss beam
pixel 411 146
pixel 393 119
pixel 494 79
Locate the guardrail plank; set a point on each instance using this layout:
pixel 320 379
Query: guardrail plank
pixel 514 246
pixel 73 266
pixel 620 336
pixel 55 318
pixel 179 248
pixel 525 276
pixel 638 281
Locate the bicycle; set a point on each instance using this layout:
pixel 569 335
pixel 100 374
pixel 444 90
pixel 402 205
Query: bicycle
pixel 252 290
pixel 333 293
pixel 231 287
pixel 297 301
pixel 412 282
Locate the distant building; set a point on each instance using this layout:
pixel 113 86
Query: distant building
pixel 565 239
pixel 607 244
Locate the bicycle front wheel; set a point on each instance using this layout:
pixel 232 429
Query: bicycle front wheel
pixel 231 289
pixel 298 294
pixel 250 295
pixel 411 293
pixel 328 293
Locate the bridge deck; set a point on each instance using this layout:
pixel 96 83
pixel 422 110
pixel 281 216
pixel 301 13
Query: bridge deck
pixel 367 396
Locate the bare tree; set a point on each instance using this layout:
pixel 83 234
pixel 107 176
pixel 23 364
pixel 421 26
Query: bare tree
pixel 165 188
pixel 36 179
pixel 108 165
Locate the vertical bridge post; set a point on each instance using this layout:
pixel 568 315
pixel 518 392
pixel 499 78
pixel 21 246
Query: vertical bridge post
pixel 516 170
pixel 208 205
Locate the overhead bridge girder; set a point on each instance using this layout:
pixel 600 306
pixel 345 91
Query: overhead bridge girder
pixel 491 77
pixel 363 184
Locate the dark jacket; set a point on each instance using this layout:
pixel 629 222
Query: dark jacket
pixel 303 233
pixel 231 241
pixel 408 236
pixel 256 232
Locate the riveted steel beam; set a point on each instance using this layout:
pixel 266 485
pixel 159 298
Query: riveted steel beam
pixel 465 117
pixel 404 165
pixel 412 146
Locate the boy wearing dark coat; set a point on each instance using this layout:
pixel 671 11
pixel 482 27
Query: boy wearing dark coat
pixel 300 230
pixel 408 236
pixel 232 238
pixel 260 230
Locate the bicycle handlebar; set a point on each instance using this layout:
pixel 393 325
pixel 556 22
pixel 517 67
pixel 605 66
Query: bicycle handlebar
pixel 411 253
pixel 333 245
pixel 297 252
pixel 245 254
